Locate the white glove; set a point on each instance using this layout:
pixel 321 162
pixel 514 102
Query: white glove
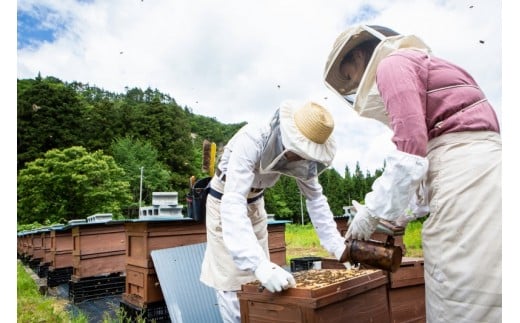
pixel 363 224
pixel 274 277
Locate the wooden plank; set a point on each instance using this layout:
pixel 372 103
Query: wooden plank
pixel 410 273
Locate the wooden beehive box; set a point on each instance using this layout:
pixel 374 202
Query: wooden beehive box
pixel 24 245
pixel 61 248
pixel 47 258
pixel 144 236
pixel 98 248
pixel 19 244
pixel 405 289
pixel 29 251
pixel 362 297
pixel 276 242
pixel 342 224
pixel 406 292
pixel 37 245
pixel 142 286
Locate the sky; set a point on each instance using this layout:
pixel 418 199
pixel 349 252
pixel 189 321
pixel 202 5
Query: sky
pixel 237 60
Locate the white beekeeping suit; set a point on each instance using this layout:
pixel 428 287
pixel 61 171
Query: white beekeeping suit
pixel 447 164
pixel 298 142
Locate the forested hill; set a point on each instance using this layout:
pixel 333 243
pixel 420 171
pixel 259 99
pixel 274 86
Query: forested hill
pixel 61 123
pixel 56 114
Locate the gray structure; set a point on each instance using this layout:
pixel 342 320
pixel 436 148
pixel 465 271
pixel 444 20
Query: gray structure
pixel 164 205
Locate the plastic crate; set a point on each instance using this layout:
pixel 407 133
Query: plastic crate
pixel 58 276
pixel 95 287
pixel 303 263
pixel 154 312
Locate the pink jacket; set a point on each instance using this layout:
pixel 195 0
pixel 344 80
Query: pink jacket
pixel 426 97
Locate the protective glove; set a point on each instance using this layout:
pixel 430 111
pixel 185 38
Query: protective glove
pixel 363 224
pixel 274 277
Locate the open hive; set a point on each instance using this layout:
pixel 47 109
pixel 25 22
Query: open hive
pixel 319 281
pixel 317 278
pixel 320 295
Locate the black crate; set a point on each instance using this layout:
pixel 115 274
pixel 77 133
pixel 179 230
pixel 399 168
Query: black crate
pixel 95 287
pixel 153 312
pixel 303 263
pixel 43 270
pixel 58 276
pixel 34 263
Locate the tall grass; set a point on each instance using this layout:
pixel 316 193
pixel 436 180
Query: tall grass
pixel 301 236
pixel 34 307
pixel 412 239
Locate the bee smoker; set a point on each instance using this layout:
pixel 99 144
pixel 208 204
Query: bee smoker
pixel 378 254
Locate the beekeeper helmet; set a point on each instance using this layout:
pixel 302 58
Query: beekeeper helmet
pixel 364 97
pixel 303 130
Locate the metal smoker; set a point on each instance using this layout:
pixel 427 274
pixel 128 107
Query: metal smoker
pixel 374 253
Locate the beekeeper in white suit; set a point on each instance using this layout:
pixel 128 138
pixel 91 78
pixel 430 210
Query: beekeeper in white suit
pixel 298 142
pixel 447 162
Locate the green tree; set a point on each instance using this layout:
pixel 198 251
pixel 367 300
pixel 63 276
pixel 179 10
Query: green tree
pixel 132 154
pixel 102 122
pixel 284 201
pixel 167 128
pixel 348 186
pixel 334 190
pixel 277 199
pixel 359 185
pixel 49 116
pixel 71 184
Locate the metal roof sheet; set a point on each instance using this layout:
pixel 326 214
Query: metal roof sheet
pixel 188 300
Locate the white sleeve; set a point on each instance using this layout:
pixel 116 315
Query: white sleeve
pixel 393 191
pixel 321 217
pixel 237 230
pixel 419 205
pixel 238 234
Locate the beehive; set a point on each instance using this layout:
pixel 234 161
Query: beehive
pixel 276 241
pixel 324 295
pixel 98 248
pixel 142 237
pixel 61 248
pixel 406 293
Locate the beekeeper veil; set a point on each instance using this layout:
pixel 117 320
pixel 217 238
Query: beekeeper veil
pixel 303 130
pixel 364 97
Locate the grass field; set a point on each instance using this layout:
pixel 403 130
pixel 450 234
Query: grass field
pixel 301 241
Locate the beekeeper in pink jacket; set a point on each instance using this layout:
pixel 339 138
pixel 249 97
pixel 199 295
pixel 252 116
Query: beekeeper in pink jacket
pixel 447 163
pixel 298 142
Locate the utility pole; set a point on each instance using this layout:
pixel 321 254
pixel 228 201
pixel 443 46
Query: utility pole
pixel 301 206
pixel 141 189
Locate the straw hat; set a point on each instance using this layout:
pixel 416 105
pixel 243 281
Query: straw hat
pixel 307 131
pixel 345 42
